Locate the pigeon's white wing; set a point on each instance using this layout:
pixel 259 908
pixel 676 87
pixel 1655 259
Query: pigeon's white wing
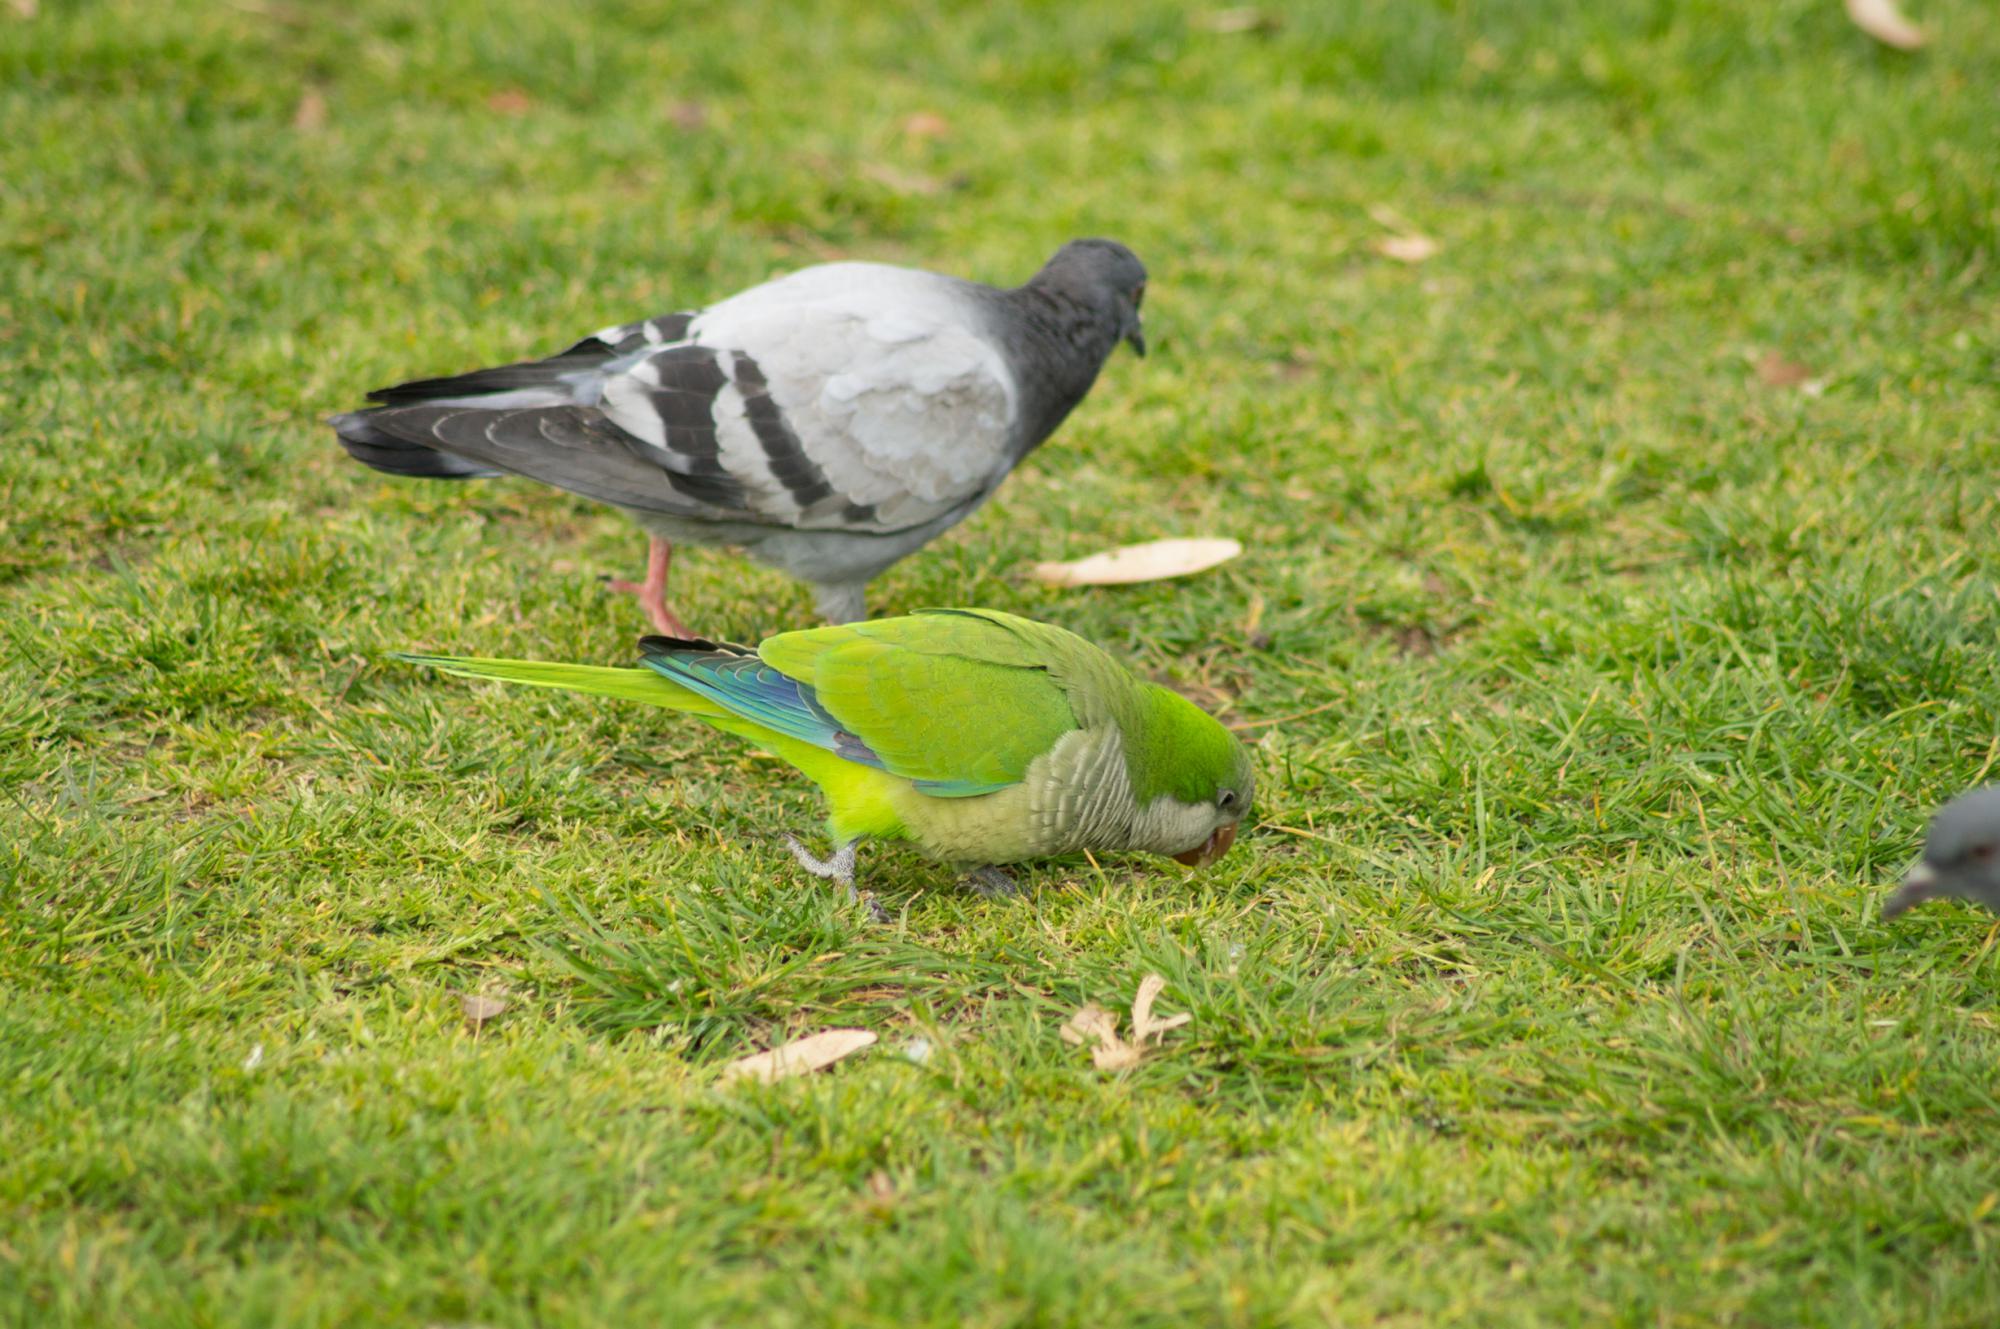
pixel 871 397
pixel 850 396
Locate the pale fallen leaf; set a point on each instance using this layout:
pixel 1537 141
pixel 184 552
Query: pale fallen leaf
pixel 310 114
pixel 926 124
pixel 509 101
pixel 1775 371
pixel 478 1009
pixel 1155 560
pixel 688 116
pixel 800 1056
pixel 1881 20
pixel 24 8
pixel 1096 1028
pixel 899 181
pixel 1246 18
pixel 1144 1026
pixel 1408 248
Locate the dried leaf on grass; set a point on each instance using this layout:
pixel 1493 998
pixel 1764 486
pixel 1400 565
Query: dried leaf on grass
pixel 1409 248
pixel 310 114
pixel 1775 371
pixel 687 115
pixel 1881 20
pixel 1405 244
pixel 509 101
pixel 478 1009
pixel 926 124
pixel 1144 1026
pixel 899 181
pixel 1246 18
pixel 1156 560
pixel 801 1056
pixel 881 1191
pixel 1097 1028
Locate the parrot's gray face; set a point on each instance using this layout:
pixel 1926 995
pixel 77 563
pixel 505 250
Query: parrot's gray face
pixel 1961 856
pixel 1220 820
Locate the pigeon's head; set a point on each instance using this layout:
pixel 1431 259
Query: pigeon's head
pixel 1104 276
pixel 1961 856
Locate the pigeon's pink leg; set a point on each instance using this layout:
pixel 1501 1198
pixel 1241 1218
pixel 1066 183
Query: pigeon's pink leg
pixel 652 592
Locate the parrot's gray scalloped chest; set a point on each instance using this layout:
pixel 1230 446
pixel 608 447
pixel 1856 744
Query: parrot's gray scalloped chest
pixel 1077 795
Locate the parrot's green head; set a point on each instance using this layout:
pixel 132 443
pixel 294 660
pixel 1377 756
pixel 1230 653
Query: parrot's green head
pixel 1191 778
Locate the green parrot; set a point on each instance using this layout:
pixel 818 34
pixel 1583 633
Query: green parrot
pixel 977 736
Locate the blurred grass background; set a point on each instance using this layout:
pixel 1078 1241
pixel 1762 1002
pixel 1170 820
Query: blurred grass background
pixel 1633 556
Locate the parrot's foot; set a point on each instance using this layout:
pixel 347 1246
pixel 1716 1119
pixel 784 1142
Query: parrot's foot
pixel 990 883
pixel 652 592
pixel 839 868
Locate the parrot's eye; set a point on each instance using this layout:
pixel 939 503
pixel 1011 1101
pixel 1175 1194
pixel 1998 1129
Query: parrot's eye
pixel 1226 799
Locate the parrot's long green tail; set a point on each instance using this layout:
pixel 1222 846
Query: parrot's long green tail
pixel 630 684
pixel 862 798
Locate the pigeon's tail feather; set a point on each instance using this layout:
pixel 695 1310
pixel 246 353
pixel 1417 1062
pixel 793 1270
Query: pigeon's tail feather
pixel 385 452
pixel 553 373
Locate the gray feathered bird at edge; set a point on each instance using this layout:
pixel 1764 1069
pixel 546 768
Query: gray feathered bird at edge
pixel 826 423
pixel 1961 856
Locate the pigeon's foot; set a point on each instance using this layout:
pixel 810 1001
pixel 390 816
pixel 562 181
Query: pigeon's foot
pixel 990 883
pixel 652 592
pixel 838 868
pixel 841 601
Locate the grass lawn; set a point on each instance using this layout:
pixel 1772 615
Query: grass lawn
pixel 1622 590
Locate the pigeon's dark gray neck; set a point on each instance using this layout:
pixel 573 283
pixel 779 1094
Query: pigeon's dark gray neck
pixel 1056 342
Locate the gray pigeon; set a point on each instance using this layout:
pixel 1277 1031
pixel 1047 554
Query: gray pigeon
pixel 1961 856
pixel 827 422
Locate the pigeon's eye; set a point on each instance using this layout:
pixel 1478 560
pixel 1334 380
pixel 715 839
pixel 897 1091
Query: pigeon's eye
pixel 1226 799
pixel 1982 853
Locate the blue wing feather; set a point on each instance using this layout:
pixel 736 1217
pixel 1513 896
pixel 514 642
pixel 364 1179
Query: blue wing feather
pixel 747 686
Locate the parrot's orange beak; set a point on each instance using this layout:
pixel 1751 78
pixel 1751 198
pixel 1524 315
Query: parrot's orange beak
pixel 1214 847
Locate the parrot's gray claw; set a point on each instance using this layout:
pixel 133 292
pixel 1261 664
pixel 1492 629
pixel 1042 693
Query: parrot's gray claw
pixel 839 868
pixel 990 883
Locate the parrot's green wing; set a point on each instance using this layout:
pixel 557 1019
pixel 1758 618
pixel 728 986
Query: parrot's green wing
pixel 960 701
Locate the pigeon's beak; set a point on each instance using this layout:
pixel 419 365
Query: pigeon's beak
pixel 1917 887
pixel 1214 847
pixel 1135 337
